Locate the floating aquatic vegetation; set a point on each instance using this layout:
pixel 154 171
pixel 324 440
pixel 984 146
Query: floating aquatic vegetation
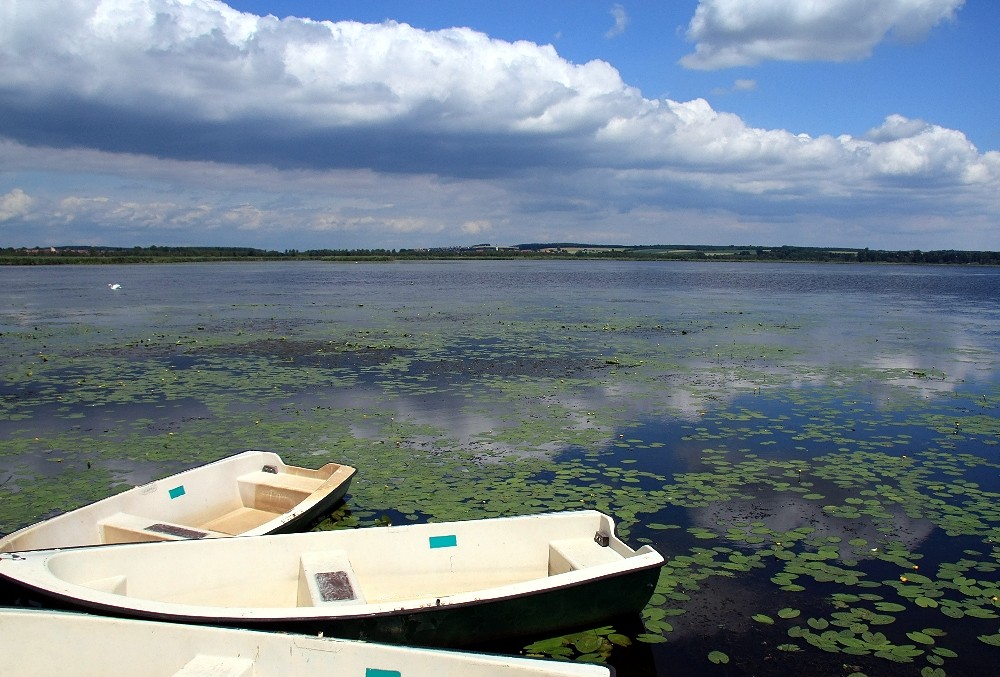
pixel 718 657
pixel 757 446
pixel 590 646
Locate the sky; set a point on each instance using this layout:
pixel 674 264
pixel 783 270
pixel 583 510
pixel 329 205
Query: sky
pixel 378 124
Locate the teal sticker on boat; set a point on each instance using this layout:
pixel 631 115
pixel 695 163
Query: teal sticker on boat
pixel 375 672
pixel 177 492
pixel 444 541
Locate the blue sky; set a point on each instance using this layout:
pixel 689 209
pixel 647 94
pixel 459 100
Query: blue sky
pixel 347 124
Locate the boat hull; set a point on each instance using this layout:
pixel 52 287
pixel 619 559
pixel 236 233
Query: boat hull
pixel 441 584
pixel 88 645
pixel 247 494
pixel 541 614
pixel 526 616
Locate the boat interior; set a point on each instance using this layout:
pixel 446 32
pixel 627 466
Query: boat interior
pixel 297 573
pixel 262 496
pixel 252 492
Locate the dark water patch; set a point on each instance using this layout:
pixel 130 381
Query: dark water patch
pixel 304 353
pixel 111 421
pixel 511 366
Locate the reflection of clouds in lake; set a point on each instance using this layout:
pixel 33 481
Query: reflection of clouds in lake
pixel 971 364
pixel 62 463
pixel 441 414
pixel 824 339
pixel 686 405
pixel 75 469
pixel 670 395
pixel 483 422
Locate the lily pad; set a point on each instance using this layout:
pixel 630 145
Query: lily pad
pixel 920 637
pixel 992 640
pixel 718 657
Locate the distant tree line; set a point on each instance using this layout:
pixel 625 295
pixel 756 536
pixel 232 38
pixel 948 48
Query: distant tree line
pixel 162 254
pixel 942 256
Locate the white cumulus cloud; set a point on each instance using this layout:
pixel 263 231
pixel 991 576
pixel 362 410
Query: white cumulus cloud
pixel 15 204
pixel 904 147
pixel 731 33
pixel 265 126
pixel 203 62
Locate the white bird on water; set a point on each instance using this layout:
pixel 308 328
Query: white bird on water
pixel 114 285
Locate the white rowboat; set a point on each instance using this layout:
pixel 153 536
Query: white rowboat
pixel 247 494
pixel 38 642
pixel 441 584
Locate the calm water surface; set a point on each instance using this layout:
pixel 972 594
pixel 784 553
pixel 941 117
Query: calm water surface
pixel 813 447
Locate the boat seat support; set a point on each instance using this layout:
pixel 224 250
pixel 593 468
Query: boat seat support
pixel 327 578
pixel 276 492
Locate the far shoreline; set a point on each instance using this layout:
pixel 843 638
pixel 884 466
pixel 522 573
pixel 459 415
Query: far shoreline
pixel 93 255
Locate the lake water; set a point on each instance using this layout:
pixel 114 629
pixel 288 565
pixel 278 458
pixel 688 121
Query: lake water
pixel 814 448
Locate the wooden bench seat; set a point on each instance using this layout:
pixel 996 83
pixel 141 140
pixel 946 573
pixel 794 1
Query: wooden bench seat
pixel 578 553
pixel 239 521
pixel 125 528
